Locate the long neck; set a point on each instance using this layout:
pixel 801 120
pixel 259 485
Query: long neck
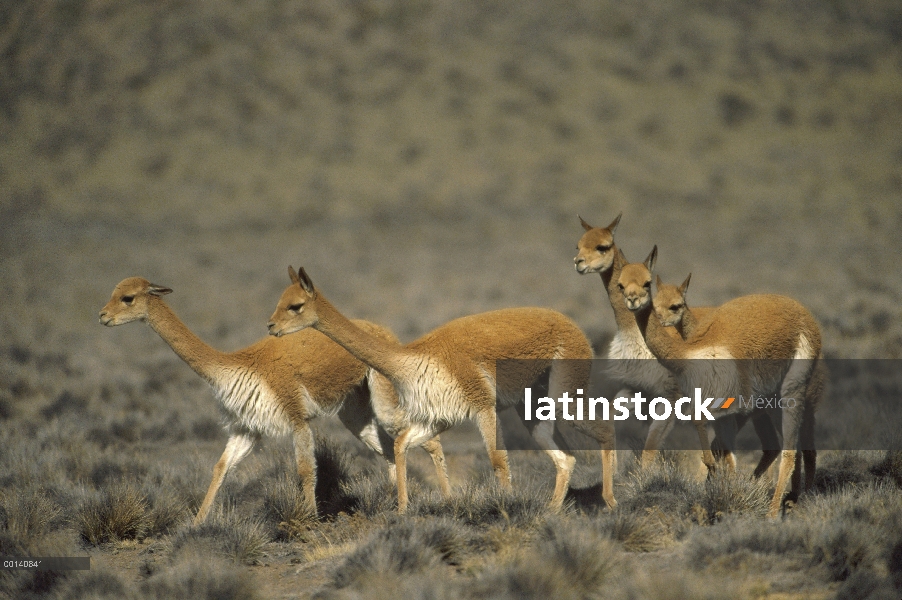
pixel 688 323
pixel 190 348
pixel 388 358
pixel 668 349
pixel 622 315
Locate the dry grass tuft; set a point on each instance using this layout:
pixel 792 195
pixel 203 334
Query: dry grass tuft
pixel 284 506
pixel 119 513
pixel 226 535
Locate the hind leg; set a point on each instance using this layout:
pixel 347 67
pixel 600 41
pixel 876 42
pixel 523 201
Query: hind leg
pixel 486 421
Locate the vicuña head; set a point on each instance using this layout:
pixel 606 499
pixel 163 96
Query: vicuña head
pixel 670 301
pixel 635 282
pixel 129 301
pixel 596 250
pixel 296 309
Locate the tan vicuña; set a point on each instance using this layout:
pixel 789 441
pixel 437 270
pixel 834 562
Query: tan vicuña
pixel 448 375
pixel 275 387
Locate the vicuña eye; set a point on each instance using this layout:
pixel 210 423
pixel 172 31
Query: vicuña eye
pixel 675 307
pixel 296 307
pixel 647 284
pixel 128 299
pixel 602 248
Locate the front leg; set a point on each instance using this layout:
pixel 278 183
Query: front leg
pixel 304 453
pixel 236 449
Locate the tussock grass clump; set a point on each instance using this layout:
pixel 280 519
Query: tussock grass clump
pixel 225 535
pixel 168 509
pixel 644 530
pixel 843 469
pixel 119 513
pixel 486 503
pixel 200 578
pixel 95 585
pixel 726 493
pixel 570 559
pixel 855 530
pixel 735 536
pixel 661 485
pixel 285 508
pixel 27 584
pixel 30 512
pixel 402 549
pixel 371 495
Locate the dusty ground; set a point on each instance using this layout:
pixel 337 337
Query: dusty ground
pixel 422 161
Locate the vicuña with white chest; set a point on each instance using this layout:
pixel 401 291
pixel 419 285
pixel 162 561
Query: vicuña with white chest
pixel 275 387
pixel 771 343
pixel 449 374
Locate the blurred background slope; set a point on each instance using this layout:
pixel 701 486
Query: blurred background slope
pixel 426 160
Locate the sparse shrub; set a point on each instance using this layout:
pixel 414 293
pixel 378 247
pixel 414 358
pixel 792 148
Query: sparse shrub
pixel 486 503
pixel 284 506
pixel 569 560
pixel 167 509
pixel 727 493
pixel 200 577
pixel 662 485
pixel 27 583
pixel 94 585
pixel 402 549
pixel 739 535
pixel 28 512
pixel 119 513
pixel 371 495
pixel 239 539
pixel 644 530
pixel 842 470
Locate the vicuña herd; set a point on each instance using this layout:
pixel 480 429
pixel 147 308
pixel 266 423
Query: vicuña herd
pixel 395 396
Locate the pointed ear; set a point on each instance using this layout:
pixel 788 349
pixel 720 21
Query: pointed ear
pixel 658 282
pixel 158 290
pixel 622 255
pixel 652 258
pixel 685 285
pixel 585 225
pixel 305 282
pixel 614 223
pixel 292 275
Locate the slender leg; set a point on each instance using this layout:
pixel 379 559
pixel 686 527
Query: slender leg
pixel 306 464
pixel 236 449
pixel 486 420
pixel 401 444
pixel 434 448
pixel 564 461
pixel 770 441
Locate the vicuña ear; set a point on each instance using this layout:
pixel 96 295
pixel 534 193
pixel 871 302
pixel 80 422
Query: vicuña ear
pixel 652 257
pixel 585 225
pixel 614 223
pixel 658 282
pixel 622 256
pixel 305 282
pixel 292 274
pixel 685 285
pixel 158 290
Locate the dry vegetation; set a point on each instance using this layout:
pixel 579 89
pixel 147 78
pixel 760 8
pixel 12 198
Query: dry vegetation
pixel 425 160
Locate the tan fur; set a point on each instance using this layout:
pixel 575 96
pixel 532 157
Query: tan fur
pixel 448 375
pixel 670 306
pixel 597 253
pixel 776 338
pixel 275 386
